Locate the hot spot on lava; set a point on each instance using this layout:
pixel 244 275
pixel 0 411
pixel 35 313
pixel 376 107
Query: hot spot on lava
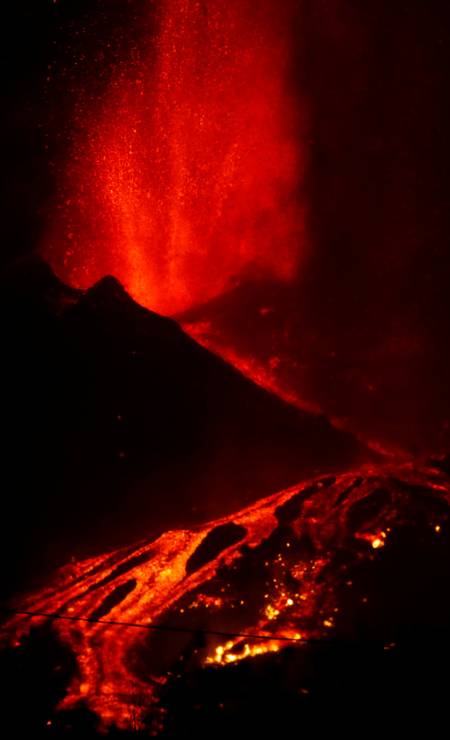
pixel 327 558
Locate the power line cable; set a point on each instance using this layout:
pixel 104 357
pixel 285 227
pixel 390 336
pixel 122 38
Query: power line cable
pixel 139 625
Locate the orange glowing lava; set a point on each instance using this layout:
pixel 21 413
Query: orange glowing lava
pixel 276 568
pixel 185 177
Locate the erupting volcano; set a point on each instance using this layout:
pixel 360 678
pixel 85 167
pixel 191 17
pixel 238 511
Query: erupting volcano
pixel 225 401
pixel 185 177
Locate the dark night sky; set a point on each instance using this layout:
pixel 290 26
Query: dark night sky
pixel 377 76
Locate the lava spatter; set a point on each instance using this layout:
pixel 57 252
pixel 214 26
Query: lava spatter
pixel 185 176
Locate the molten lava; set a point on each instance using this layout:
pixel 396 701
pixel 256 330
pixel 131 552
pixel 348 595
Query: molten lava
pixel 184 178
pixel 287 567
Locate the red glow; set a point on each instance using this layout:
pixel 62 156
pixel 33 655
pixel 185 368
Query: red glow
pixel 294 593
pixel 186 176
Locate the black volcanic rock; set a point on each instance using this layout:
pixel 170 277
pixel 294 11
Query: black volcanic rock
pixel 117 424
pixel 217 540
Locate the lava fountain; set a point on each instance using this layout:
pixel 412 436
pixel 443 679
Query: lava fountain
pixel 185 177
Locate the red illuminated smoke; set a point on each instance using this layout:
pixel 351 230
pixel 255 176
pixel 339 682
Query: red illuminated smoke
pixel 186 176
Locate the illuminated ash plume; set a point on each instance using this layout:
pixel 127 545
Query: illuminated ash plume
pixel 185 176
pixel 317 560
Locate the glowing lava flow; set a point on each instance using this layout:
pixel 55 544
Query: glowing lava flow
pixel 279 568
pixel 261 373
pixel 186 176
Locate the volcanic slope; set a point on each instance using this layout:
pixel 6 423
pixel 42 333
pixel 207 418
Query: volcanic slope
pixel 359 364
pixel 118 424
